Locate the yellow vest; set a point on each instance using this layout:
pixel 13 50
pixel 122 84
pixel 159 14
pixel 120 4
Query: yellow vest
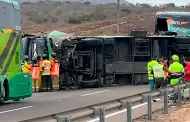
pixel 47 66
pixel 26 67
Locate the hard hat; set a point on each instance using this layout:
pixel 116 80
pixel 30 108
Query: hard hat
pixel 53 54
pixel 44 56
pixel 26 57
pixel 175 58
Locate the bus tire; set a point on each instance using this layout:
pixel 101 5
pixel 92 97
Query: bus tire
pixel 3 95
pixel 90 84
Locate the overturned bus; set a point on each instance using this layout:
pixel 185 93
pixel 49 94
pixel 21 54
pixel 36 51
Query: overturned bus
pixel 118 60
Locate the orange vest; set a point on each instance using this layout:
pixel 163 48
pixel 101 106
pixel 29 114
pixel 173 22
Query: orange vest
pixel 54 67
pixel 40 63
pixel 31 67
pixel 35 71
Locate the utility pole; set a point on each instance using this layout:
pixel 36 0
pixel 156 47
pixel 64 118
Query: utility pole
pixel 118 14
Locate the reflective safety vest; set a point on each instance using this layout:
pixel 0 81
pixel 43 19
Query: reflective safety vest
pixel 158 71
pixel 177 68
pixel 35 72
pixel 150 67
pixel 54 67
pixel 47 67
pixel 26 67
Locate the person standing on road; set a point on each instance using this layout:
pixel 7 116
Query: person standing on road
pixel 187 70
pixel 45 71
pixel 26 66
pixel 177 68
pixel 54 72
pixel 150 67
pixel 158 72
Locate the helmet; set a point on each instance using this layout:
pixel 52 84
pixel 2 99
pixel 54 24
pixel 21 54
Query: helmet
pixel 53 54
pixel 26 57
pixel 44 56
pixel 175 58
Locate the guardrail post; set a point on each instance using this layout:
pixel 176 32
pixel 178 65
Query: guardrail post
pixel 99 112
pixel 179 95
pixel 129 111
pixel 63 119
pixel 165 101
pixel 149 107
pixel 102 114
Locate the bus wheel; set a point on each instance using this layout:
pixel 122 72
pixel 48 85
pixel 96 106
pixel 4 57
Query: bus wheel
pixel 3 95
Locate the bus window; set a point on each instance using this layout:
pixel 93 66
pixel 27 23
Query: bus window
pixel 161 25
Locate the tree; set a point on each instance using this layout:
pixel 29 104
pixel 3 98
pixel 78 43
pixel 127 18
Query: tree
pixel 171 5
pixel 87 3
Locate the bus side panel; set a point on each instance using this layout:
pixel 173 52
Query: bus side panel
pixel 20 86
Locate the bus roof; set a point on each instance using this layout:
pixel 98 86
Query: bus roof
pixel 14 3
pixel 6 1
pixel 171 14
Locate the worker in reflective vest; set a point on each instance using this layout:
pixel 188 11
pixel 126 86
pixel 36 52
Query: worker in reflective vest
pixel 26 65
pixel 55 72
pixel 150 67
pixel 35 74
pixel 177 68
pixel 40 61
pixel 158 72
pixel 45 71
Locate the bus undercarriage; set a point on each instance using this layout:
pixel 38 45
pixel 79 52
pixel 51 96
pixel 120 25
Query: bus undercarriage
pixel 108 60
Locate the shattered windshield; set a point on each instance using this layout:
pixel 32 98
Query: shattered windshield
pixel 180 25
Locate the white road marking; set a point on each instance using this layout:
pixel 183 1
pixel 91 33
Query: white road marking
pixel 16 109
pixel 94 93
pixel 119 112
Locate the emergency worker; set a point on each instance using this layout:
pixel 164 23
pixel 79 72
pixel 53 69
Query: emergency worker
pixel 45 72
pixel 54 72
pixel 158 72
pixel 150 67
pixel 177 68
pixel 187 70
pixel 40 61
pixel 26 65
pixel 35 74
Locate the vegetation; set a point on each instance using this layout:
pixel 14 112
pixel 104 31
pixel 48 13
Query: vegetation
pixel 57 14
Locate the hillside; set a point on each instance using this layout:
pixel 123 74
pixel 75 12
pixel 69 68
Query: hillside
pixel 87 19
pixel 92 1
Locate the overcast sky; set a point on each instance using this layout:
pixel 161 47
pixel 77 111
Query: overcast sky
pixel 153 2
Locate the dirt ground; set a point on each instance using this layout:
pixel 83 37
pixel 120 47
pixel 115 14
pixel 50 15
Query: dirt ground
pixel 177 113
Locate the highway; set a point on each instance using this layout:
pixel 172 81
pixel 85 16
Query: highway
pixel 42 104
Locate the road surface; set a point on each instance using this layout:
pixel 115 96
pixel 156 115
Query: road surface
pixel 42 104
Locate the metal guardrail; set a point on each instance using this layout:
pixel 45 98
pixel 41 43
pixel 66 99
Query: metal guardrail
pixel 124 103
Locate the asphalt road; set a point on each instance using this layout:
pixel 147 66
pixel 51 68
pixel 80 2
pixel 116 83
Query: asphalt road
pixel 42 104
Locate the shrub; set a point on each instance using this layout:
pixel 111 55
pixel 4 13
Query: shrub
pixel 73 20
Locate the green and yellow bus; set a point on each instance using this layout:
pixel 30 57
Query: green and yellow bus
pixel 14 84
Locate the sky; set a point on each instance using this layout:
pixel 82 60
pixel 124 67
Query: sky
pixel 154 2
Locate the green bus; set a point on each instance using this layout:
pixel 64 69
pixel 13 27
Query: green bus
pixel 14 84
